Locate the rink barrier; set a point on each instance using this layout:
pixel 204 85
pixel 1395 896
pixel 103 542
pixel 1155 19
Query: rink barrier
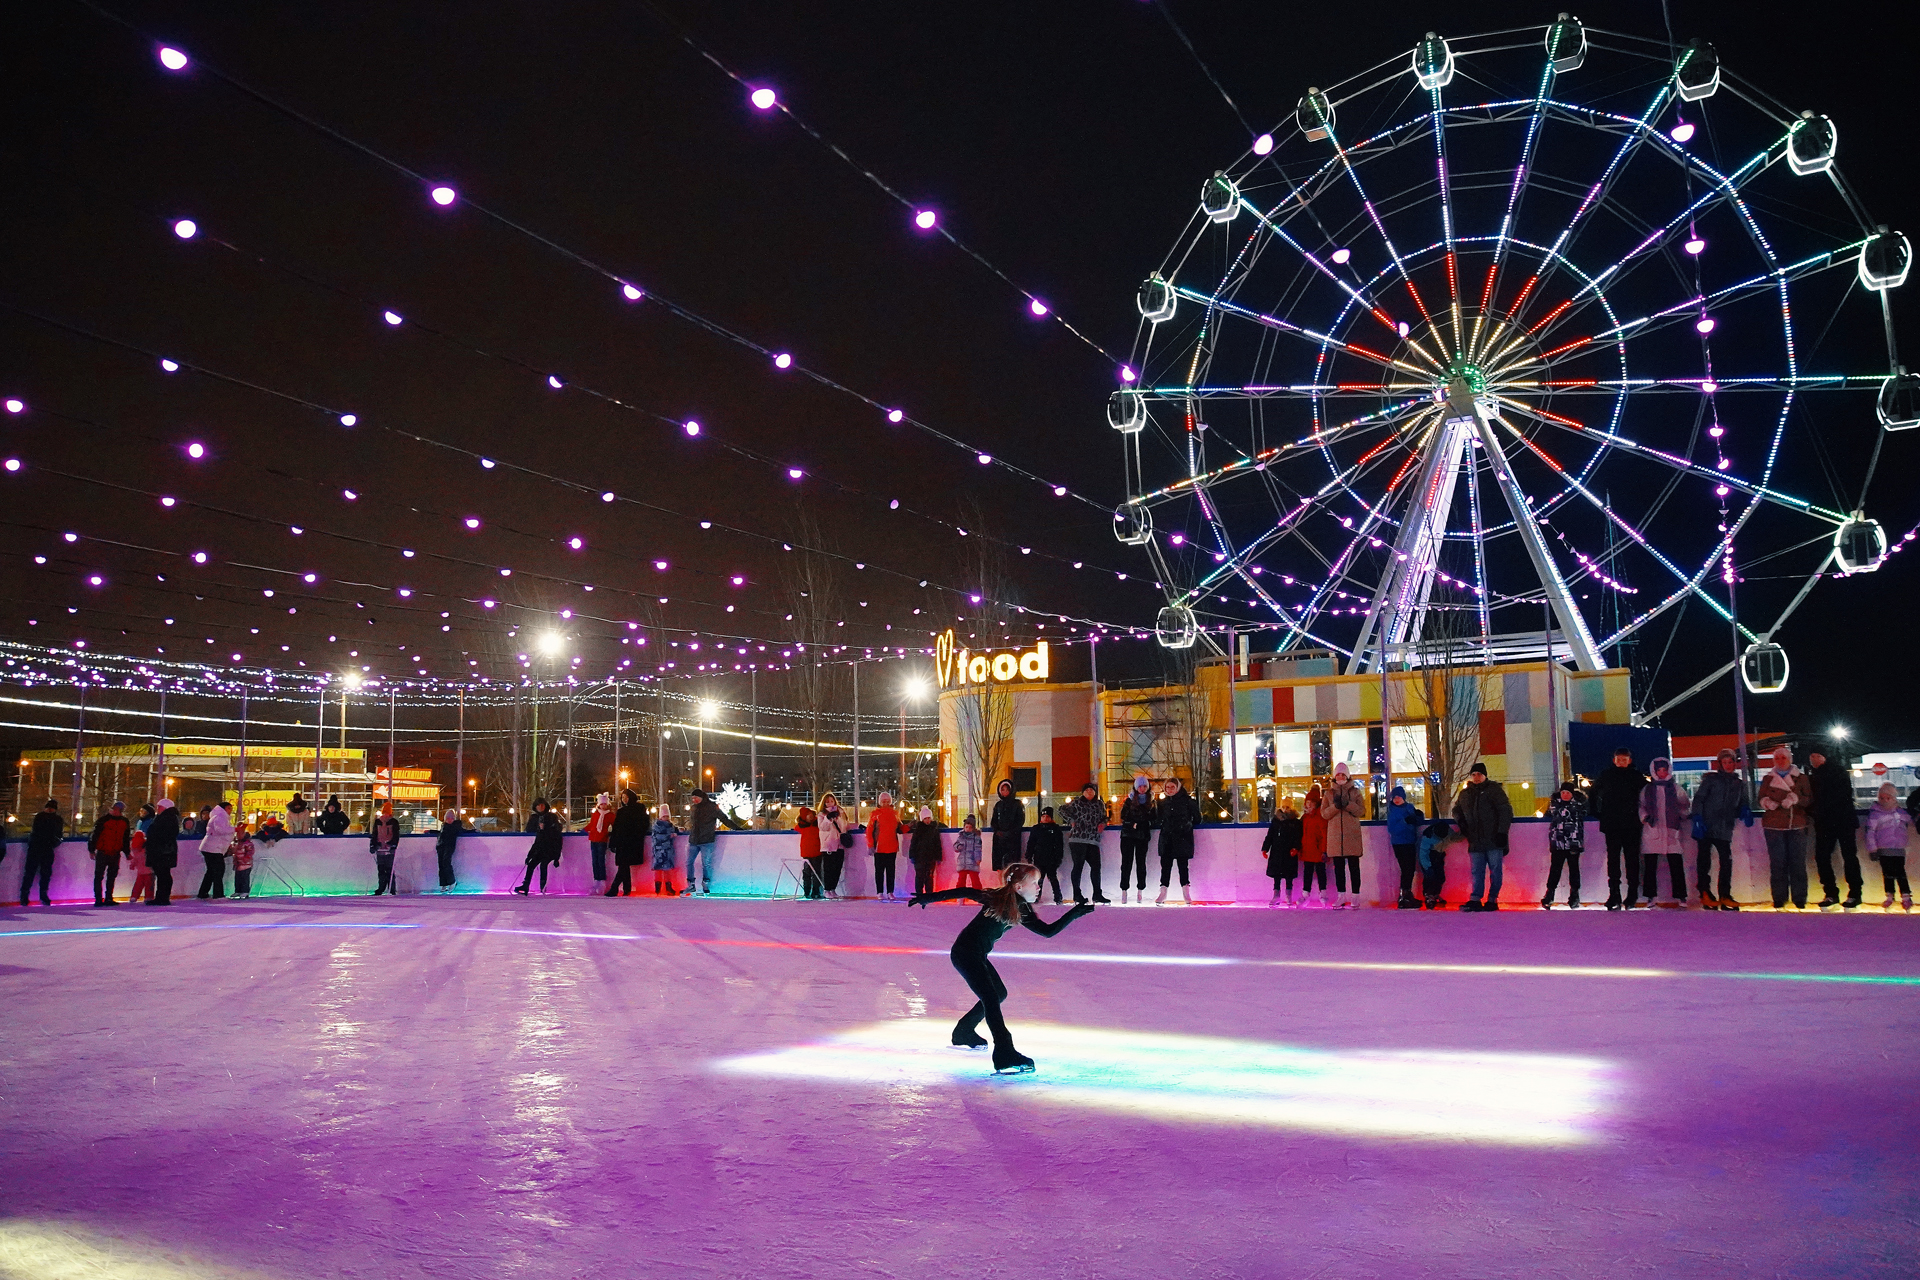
pixel 1227 867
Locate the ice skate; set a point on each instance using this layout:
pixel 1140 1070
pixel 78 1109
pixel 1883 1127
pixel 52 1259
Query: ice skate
pixel 1186 895
pixel 968 1039
pixel 1276 901
pixel 519 889
pixel 1888 904
pixel 1708 901
pixel 1009 1061
pixel 1613 902
pixel 1852 903
pixel 1906 902
pixel 1830 903
pixel 1728 904
pixel 1546 903
pixel 1573 902
pixel 1156 902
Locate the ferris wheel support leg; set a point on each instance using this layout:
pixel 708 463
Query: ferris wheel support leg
pixel 1399 606
pixel 1586 656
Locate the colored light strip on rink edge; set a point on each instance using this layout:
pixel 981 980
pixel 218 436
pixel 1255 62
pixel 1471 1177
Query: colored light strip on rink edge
pixel 1520 1098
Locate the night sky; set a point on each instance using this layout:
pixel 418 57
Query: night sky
pixel 1065 143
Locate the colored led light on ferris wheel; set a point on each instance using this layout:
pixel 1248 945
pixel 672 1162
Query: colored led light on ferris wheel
pixel 1721 491
pixel 1682 132
pixel 1710 386
pixel 1695 246
pixel 1404 328
pixel 1341 256
pixel 1704 324
pixel 1263 145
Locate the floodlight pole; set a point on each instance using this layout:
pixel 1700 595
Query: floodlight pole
pixel 856 740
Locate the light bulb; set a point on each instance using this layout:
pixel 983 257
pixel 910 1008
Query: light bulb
pixel 783 361
pixel 1704 324
pixel 984 458
pixel 1341 256
pixel 186 228
pixel 661 565
pixel 1682 132
pixel 172 59
pixel 1263 144
pixel 1695 246
pixel 488 463
pixel 693 428
pixel 607 497
pixel 349 420
pixel 578 544
pixel 166 502
pixel 896 415
pixel 169 366
pixel 196 450
pixel 472 522
pixel 393 317
pixel 1126 373
pixel 794 473
pixel 553 380
pixel 1405 328
pixel 1036 306
pixel 444 196
pixel 1059 491
pixel 16 406
pixel 925 219
pixel 762 99
pixel 631 293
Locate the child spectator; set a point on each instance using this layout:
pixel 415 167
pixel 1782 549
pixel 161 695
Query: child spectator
pixel 1313 850
pixel 1282 847
pixel 1888 826
pixel 137 857
pixel 1435 839
pixel 1566 841
pixel 924 851
pixel 966 855
pixel 661 838
pixel 1403 833
pixel 1046 849
pixel 241 850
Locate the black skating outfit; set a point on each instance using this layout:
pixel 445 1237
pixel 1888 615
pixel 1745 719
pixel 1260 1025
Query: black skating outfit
pixel 970 956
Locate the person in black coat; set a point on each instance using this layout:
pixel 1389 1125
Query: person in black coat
pixel 1139 815
pixel 452 827
pixel 1282 847
pixel 924 851
pixel 627 840
pixel 1835 819
pixel 333 819
pixel 1615 802
pixel 1008 820
pixel 1046 846
pixel 48 830
pixel 163 850
pixel 544 825
pixel 1179 815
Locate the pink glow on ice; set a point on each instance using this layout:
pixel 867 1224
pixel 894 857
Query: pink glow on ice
pixel 762 99
pixel 172 59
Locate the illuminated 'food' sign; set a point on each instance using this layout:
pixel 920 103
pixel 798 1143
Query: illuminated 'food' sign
pixel 955 666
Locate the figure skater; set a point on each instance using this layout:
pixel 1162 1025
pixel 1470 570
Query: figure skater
pixel 1000 909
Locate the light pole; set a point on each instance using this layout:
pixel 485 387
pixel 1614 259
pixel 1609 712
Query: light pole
pixel 475 784
pixel 566 744
pixel 914 690
pixel 550 645
pixel 708 710
pixel 348 683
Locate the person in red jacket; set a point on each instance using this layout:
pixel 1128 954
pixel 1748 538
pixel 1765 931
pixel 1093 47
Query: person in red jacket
pixel 599 824
pixel 107 843
pixel 806 825
pixel 883 837
pixel 1313 850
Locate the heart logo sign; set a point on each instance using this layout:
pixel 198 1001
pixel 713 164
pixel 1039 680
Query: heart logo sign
pixel 943 658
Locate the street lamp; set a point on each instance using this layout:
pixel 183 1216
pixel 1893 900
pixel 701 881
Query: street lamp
pixel 475 784
pixel 912 691
pixel 550 643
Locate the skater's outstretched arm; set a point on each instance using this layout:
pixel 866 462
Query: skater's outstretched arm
pixel 948 895
pixel 1033 921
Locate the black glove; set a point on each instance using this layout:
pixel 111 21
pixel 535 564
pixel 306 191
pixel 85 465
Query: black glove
pixel 918 900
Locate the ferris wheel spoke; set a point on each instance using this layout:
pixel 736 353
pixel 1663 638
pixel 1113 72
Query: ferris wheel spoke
pixel 1286 326
pixel 1253 464
pixel 1522 172
pixel 1373 216
pixel 1763 492
pixel 1446 216
pixel 1313 260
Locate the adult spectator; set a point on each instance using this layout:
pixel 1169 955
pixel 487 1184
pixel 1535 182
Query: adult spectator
pixel 271 832
pixel 43 839
pixel 702 821
pixel 1835 819
pixel 1138 818
pixel 1179 815
pixel 333 819
pixel 837 835
pixel 163 849
pixel 1718 803
pixel 1664 810
pixel 1086 819
pixel 299 816
pixel 215 836
pixel 1403 833
pixel 137 856
pixel 543 824
pixel 627 838
pixel 599 823
pixel 806 825
pixel 1343 806
pixel 1046 850
pixel 383 841
pixel 108 843
pixel 1785 796
pixel 452 827
pixel 1008 820
pixel 883 838
pixel 1484 814
pixel 1615 801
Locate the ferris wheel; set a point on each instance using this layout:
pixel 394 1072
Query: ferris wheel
pixel 1553 340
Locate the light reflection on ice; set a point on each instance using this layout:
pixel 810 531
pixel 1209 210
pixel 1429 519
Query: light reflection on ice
pixel 1535 1099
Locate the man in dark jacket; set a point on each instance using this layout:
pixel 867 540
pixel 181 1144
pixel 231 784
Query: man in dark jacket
pixel 333 819
pixel 1718 802
pixel 163 850
pixel 702 819
pixel 1834 821
pixel 1008 820
pixel 1086 819
pixel 1615 802
pixel 1485 815
pixel 42 840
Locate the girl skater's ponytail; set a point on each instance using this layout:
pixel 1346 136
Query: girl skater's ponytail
pixel 1004 903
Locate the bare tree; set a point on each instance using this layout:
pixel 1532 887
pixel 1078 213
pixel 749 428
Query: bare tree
pixel 810 577
pixel 1447 688
pixel 984 712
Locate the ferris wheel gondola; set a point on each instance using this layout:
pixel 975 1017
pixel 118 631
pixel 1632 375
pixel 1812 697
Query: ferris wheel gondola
pixel 1472 338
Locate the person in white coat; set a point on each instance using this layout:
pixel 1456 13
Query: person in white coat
pixel 213 848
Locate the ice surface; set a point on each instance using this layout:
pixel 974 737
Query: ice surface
pixel 479 1087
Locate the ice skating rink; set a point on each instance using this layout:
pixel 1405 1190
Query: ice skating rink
pixel 571 1087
